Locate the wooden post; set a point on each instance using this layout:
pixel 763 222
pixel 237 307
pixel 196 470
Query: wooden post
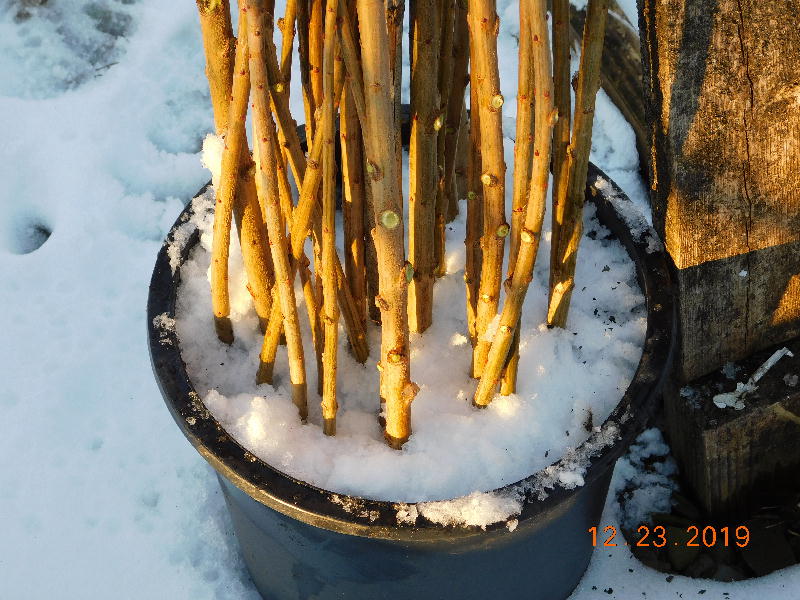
pixel 722 103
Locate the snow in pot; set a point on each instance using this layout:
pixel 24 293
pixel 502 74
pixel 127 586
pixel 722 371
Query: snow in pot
pixel 569 382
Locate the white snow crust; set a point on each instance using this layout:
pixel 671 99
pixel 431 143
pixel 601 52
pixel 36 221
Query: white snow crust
pixel 567 377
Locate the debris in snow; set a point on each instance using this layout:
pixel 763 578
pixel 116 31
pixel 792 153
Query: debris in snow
pixel 729 370
pixel 406 513
pixel 735 399
pixel 354 506
pixel 632 215
pixel 165 326
pixel 769 363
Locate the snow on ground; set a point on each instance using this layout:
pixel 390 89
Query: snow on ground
pixel 104 107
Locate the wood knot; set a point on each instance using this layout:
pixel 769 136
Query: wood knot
pixel 381 303
pixel 374 171
pixel 395 356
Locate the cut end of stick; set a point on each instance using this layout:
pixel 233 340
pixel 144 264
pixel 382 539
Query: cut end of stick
pixel 559 304
pixel 497 101
pixel 300 400
pixel 360 352
pixel 224 329
pixel 482 402
pixel 508 383
pixel 395 443
pixel 209 5
pixel 264 374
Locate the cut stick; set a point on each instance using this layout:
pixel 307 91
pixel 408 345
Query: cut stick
pixel 353 201
pixel 287 126
pixel 303 50
pixel 314 317
pixel 316 31
pixel 522 169
pixel 220 49
pixel 395 10
pixel 461 166
pixel 563 101
pixel 329 276
pixel 523 145
pixel 352 61
pixel 573 194
pixel 315 44
pixel 484 25
pixel 269 154
pixel 383 164
pixel 253 239
pixel 370 253
pixel 352 321
pixel 474 225
pixel 349 311
pixel 271 341
pixel 423 175
pixel 304 215
pixel 508 380
pixel 316 26
pixel 534 215
pixel 445 82
pixel 620 71
pixel 350 119
pixel 456 112
pixel 307 213
pixel 286 25
pixel 272 335
pixel 229 178
pixel 285 192
pixel 220 46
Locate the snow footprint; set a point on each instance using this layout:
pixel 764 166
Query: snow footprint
pixel 54 46
pixel 24 232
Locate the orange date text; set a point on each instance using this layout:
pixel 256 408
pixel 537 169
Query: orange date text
pixel 657 537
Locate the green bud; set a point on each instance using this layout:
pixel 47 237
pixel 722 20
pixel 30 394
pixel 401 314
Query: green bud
pixel 390 219
pixel 409 272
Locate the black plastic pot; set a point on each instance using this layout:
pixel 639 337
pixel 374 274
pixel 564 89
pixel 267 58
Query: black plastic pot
pixel 303 542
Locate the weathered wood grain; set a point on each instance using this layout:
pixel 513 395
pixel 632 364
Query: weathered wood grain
pixel 730 460
pixel 722 101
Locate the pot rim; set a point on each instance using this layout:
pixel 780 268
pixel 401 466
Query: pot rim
pixel 540 492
